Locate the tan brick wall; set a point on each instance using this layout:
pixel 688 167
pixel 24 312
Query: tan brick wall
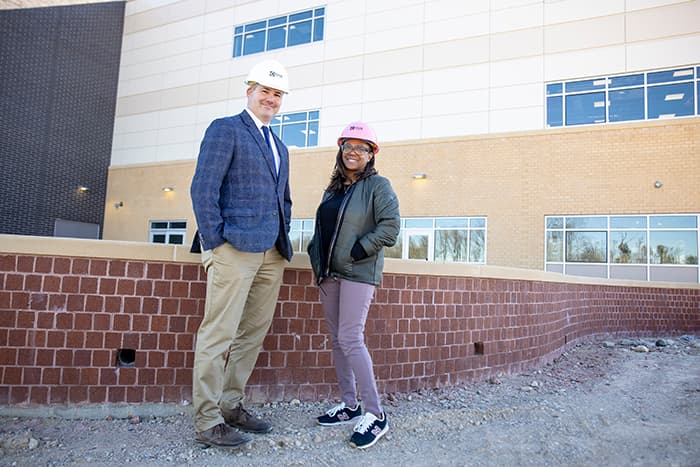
pixel 514 179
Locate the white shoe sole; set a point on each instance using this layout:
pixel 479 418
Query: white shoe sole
pixel 346 422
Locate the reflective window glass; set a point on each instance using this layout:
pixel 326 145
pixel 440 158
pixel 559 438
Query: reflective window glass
pixel 300 16
pixel 673 222
pixel 670 75
pixel 628 222
pixel 597 222
pixel 238 46
pixel 253 42
pixel 555 246
pixel 477 246
pixel 395 251
pixel 554 88
pixel 170 232
pixel 306 238
pixel 299 33
pixel 312 134
pixel 455 222
pixel 297 129
pixel 300 233
pixel 451 245
pixel 260 25
pixel 555 222
pixel 585 85
pixel 586 247
pixel 477 222
pixel 176 239
pixel 555 112
pixel 294 135
pixel 281 21
pixel 277 38
pixel 295 117
pixel 671 100
pixel 669 243
pixel 279 32
pixel 623 81
pixel 295 239
pixel 318 29
pixel 628 247
pixel 632 97
pixel 673 247
pixel 418 246
pixel 585 108
pixel 419 223
pixel 626 104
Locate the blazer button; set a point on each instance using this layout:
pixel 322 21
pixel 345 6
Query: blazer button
pixel 274 213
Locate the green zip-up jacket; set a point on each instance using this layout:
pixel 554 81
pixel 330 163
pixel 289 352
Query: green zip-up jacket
pixel 369 215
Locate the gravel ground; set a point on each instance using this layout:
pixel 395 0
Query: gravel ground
pixel 622 402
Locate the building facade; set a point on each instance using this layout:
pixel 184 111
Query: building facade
pixel 551 135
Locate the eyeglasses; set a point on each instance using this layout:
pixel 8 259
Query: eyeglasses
pixel 361 149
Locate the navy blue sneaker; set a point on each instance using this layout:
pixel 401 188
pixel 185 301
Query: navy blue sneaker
pixel 368 431
pixel 340 415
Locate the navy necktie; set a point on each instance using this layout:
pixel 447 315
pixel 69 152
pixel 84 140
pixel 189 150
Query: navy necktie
pixel 266 132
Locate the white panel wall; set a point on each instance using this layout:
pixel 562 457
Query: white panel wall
pixel 414 68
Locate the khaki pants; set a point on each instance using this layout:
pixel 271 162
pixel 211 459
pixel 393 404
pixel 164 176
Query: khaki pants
pixel 242 291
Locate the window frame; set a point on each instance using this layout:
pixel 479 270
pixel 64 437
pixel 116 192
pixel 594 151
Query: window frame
pixel 430 227
pixel 653 226
pixel 256 35
pixel 283 123
pixel 168 231
pixel 654 90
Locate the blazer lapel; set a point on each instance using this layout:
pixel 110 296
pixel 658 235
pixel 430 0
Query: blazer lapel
pixel 260 140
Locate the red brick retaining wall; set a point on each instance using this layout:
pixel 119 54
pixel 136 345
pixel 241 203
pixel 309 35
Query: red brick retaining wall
pixel 63 320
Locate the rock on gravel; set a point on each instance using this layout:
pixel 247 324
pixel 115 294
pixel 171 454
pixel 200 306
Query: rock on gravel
pixel 599 403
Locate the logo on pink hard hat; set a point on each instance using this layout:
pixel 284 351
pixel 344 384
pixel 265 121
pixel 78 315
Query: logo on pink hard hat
pixel 359 130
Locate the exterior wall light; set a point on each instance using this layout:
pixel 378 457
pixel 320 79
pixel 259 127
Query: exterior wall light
pixel 168 189
pixel 420 176
pixel 658 184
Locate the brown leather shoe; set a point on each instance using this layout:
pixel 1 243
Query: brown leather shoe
pixel 222 436
pixel 241 419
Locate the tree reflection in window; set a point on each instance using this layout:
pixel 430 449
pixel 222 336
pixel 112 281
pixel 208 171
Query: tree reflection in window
pixel 628 247
pixel 674 247
pixel 586 247
pixel 451 245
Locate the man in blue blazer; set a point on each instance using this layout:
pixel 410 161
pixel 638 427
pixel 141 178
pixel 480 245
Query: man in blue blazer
pixel 240 195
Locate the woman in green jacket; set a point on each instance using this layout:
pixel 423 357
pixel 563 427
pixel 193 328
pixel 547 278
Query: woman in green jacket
pixel 358 216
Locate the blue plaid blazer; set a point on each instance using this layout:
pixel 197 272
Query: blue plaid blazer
pixel 236 194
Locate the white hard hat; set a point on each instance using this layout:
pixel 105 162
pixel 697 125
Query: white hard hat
pixel 269 73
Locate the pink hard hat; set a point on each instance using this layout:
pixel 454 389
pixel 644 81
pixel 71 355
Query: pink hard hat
pixel 359 130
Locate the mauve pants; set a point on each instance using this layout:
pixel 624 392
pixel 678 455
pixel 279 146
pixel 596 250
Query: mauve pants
pixel 345 306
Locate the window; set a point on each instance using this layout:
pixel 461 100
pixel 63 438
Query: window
pixel 279 32
pixel 639 247
pixel 443 239
pixel 171 232
pixel 300 233
pixel 298 129
pixel 637 96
